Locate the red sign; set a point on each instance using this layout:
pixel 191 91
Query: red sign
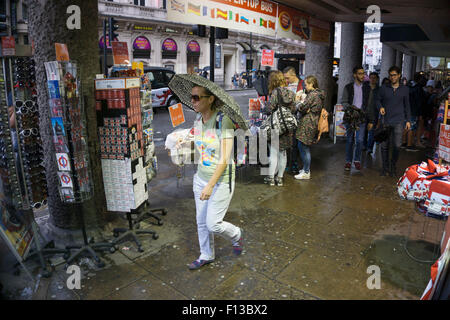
pixel 265 7
pixel 267 57
pixel 120 53
pixel 8 46
pixel 444 142
pixel 176 114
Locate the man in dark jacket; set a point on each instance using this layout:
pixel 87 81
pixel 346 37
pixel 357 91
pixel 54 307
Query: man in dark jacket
pixel 393 105
pixel 356 95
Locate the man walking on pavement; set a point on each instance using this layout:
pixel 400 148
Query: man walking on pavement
pixel 296 85
pixel 356 96
pixel 393 105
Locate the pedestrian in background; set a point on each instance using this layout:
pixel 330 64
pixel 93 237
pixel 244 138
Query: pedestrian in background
pixel 374 81
pixel 393 105
pixel 280 97
pixel 309 108
pixel 356 98
pixel 296 85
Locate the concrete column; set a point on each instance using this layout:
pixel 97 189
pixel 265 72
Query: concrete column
pixel 424 63
pixel 407 68
pixel 318 63
pixel 388 55
pixel 399 59
pixel 352 41
pixel 419 63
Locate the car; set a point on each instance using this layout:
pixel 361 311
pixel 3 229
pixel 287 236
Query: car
pixel 159 77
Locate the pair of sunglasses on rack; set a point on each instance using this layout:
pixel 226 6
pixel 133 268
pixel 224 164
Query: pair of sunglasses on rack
pixel 29 132
pixel 38 205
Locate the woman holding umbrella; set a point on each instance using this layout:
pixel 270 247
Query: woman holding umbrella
pixel 213 183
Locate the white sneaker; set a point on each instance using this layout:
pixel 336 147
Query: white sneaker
pixel 303 176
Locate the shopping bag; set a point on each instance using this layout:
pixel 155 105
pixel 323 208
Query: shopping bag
pixel 323 123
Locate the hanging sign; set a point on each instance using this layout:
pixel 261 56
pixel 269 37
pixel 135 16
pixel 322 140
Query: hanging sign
pixel 444 142
pixel 250 16
pixel 293 24
pixel 176 114
pixel 62 53
pixel 120 53
pixel 8 46
pixel 267 58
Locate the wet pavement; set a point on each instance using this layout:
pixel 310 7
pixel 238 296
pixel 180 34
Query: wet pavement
pixel 306 240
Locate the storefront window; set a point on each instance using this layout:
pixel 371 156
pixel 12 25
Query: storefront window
pixel 169 49
pixel 141 48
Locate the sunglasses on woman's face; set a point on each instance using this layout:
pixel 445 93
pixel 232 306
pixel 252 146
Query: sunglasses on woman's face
pixel 197 98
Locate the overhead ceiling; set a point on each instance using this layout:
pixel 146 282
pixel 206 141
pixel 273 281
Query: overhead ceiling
pixel 431 16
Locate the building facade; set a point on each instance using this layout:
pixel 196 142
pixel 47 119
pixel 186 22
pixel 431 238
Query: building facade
pixel 156 42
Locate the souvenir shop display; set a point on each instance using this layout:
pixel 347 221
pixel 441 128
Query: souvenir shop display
pixel 429 185
pixel 27 118
pixel 120 129
pixel 150 159
pixel 68 127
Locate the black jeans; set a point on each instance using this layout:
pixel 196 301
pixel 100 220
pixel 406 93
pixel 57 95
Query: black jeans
pixel 394 141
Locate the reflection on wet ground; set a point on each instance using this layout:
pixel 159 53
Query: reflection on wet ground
pixel 306 240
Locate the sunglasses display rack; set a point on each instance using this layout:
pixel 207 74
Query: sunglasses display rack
pixel 68 127
pixel 119 122
pixel 8 174
pixel 27 118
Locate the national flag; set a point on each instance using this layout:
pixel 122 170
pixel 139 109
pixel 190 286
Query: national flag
pixel 230 15
pixel 205 10
pixel 192 8
pixel 213 15
pixel 222 14
pixel 237 17
pixel 177 6
pixel 244 19
pixel 272 25
pixel 262 23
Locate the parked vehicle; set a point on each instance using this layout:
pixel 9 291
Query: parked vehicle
pixel 159 77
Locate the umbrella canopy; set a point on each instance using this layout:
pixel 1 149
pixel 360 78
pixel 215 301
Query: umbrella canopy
pixel 182 84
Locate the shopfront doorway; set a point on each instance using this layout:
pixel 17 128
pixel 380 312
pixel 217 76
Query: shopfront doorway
pixel 229 69
pixel 193 56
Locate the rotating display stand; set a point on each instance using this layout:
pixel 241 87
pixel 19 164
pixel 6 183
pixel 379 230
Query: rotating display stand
pixel 68 127
pixel 125 151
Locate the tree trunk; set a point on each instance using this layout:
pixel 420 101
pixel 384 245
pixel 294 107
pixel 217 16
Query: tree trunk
pixel 47 26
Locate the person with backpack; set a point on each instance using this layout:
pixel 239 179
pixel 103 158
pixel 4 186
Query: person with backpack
pixel 310 109
pixel 280 97
pixel 214 182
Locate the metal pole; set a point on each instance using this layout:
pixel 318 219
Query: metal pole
pixel 105 67
pixel 249 73
pixel 212 48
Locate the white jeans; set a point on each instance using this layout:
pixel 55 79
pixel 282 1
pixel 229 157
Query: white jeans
pixel 277 162
pixel 210 214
